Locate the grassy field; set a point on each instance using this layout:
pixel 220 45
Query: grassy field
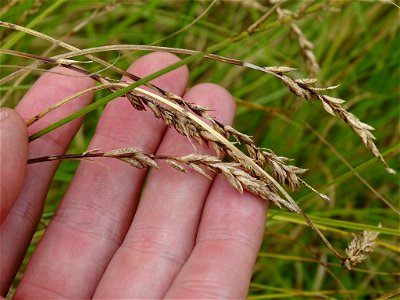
pixel 356 45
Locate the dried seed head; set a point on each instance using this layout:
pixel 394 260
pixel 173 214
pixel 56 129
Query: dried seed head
pixel 360 247
pixel 238 178
pixel 332 105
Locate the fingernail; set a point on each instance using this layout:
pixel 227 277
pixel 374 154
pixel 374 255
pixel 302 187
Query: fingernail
pixel 3 114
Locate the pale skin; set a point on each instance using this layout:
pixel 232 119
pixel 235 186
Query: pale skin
pixel 183 236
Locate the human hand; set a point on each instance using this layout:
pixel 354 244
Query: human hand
pixel 189 237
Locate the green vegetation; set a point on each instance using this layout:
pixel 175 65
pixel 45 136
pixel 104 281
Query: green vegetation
pixel 356 44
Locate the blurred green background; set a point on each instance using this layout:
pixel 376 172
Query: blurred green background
pixel 356 44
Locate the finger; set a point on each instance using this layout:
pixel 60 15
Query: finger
pixel 14 154
pixel 228 240
pixel 21 222
pixel 98 208
pixel 164 228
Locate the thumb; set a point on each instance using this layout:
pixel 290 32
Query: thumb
pixel 13 157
